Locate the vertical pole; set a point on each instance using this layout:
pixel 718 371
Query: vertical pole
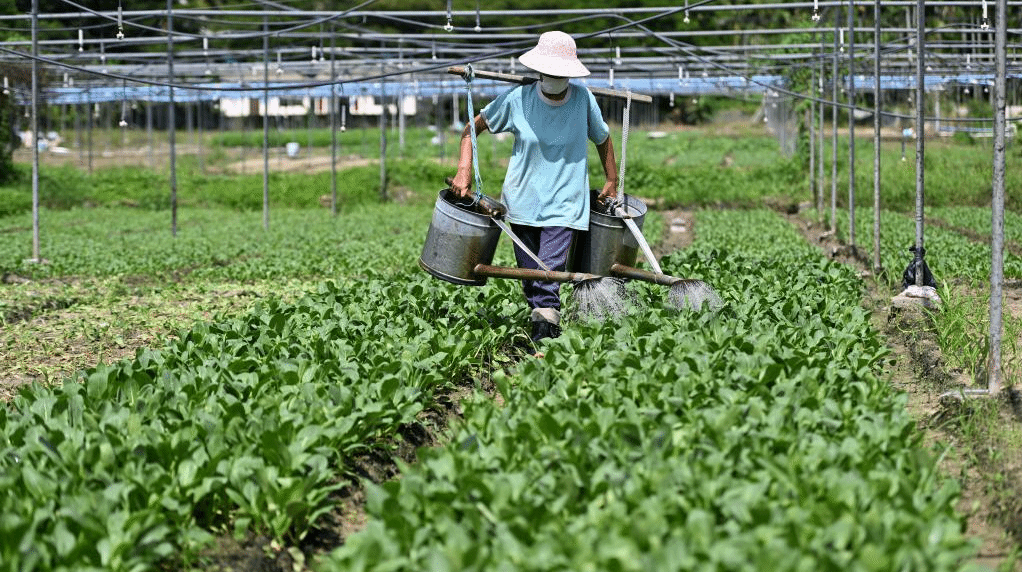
pixel 266 124
pixel 920 134
pixel 400 101
pixel 244 125
pixel 834 107
pixel 310 114
pixel 440 130
pixel 997 210
pixel 91 109
pixel 149 129
pixel 811 120
pixel 78 131
pixel 109 128
pixel 189 116
pixel 820 178
pixel 198 124
pixel 171 119
pixel 35 131
pixel 851 126
pixel 333 126
pixel 877 266
pixel 383 137
pixel 455 112
pixel 124 129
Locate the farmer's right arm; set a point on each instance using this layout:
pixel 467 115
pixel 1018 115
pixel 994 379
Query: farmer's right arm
pixel 462 183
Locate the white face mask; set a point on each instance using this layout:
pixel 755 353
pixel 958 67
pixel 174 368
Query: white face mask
pixel 553 85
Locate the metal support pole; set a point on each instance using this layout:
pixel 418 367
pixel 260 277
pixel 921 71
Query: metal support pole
pixel 997 210
pixel 198 125
pixel 149 130
pixel 877 266
pixel 820 177
pixel 811 120
pixel 91 109
pixel 836 78
pixel 920 134
pixel 441 132
pixel 109 129
pixel 851 126
pixel 78 133
pixel 244 128
pixel 455 112
pixel 400 101
pixel 266 124
pixel 333 127
pixel 189 117
pixel 171 119
pixel 35 131
pixel 383 139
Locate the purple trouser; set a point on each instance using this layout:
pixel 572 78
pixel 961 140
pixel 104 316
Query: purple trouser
pixel 551 244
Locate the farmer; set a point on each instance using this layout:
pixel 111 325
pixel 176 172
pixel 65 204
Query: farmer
pixel 546 188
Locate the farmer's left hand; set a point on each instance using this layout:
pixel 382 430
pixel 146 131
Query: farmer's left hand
pixel 609 190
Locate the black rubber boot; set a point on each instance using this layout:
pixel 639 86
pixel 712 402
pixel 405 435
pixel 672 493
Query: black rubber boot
pixel 542 330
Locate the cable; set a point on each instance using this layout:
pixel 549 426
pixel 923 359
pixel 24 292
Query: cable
pixel 245 36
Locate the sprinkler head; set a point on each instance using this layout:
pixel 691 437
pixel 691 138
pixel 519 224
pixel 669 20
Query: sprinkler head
pixel 693 295
pixel 598 299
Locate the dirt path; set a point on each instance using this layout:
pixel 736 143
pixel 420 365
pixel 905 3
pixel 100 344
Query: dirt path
pixel 679 231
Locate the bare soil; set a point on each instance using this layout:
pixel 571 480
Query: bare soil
pixel 679 231
pixel 54 328
pixel 301 164
pixel 234 160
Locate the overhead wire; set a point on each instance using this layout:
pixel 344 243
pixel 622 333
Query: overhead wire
pixel 371 77
pixel 796 95
pixel 258 35
pixel 504 49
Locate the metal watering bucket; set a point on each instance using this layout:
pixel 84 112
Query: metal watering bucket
pixel 608 241
pixel 458 239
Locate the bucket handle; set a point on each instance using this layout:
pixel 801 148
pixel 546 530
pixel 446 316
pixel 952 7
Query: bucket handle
pixel 491 206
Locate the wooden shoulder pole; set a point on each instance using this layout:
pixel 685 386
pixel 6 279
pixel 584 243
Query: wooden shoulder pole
pixel 520 79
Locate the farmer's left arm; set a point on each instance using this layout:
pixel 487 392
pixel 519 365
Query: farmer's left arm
pixel 606 151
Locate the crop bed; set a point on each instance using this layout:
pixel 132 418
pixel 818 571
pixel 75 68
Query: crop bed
pixel 949 254
pixel 247 423
pixel 759 436
pixel 978 220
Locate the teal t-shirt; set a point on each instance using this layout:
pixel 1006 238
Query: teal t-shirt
pixel 547 181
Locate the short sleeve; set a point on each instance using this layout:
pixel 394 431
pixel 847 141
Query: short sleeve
pixel 598 129
pixel 497 113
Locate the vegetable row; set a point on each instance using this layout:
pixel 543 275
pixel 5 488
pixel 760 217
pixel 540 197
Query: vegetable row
pixel 761 436
pixel 949 254
pixel 245 425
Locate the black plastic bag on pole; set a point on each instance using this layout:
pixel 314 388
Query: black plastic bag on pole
pixel 918 264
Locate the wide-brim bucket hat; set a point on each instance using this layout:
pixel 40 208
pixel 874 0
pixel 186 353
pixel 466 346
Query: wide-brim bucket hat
pixel 554 55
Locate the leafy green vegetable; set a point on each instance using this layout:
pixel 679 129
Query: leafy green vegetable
pixel 757 437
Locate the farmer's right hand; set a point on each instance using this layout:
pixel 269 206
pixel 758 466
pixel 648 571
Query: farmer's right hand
pixel 461 184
